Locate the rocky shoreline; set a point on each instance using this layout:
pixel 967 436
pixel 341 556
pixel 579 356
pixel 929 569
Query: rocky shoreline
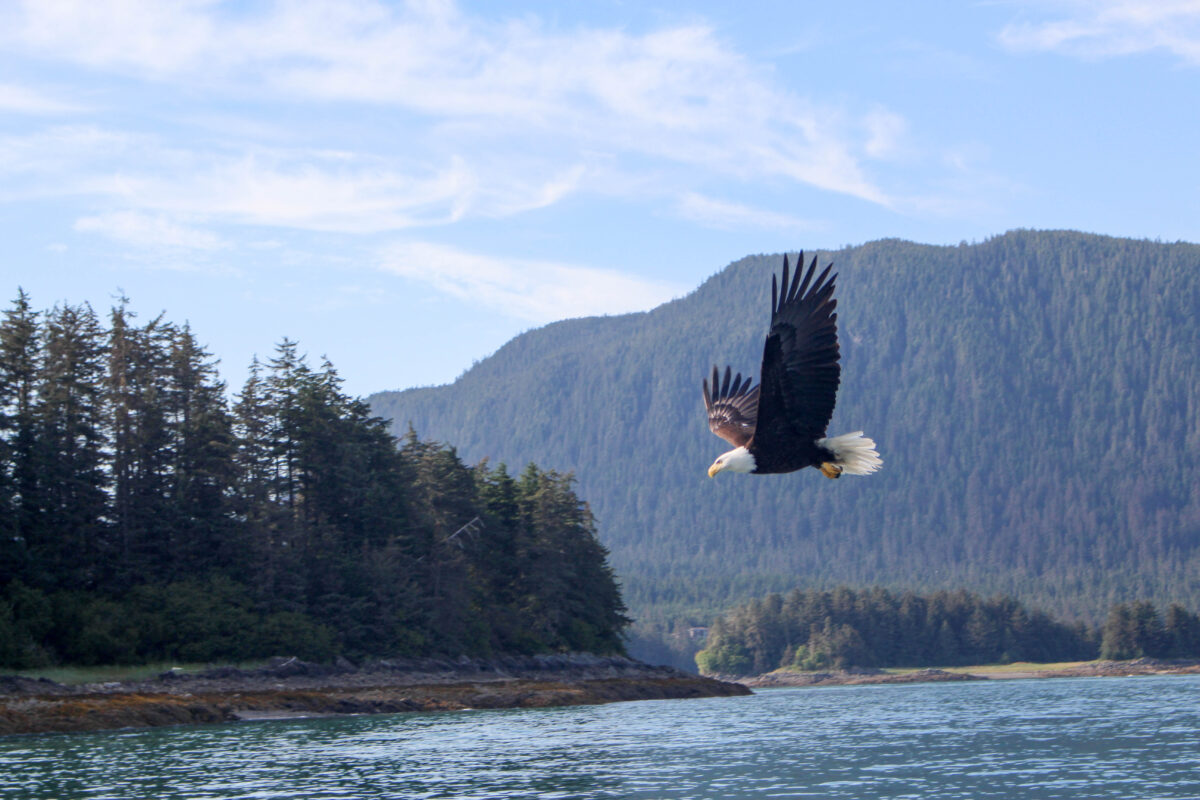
pixel 1091 669
pixel 289 687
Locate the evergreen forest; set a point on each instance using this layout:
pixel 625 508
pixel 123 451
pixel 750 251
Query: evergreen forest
pixel 146 514
pixel 843 628
pixel 1035 398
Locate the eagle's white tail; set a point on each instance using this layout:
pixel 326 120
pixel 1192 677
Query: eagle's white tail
pixel 853 452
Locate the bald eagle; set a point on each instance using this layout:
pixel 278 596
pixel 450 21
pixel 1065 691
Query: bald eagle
pixel 779 425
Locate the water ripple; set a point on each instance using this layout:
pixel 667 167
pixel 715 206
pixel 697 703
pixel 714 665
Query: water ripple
pixel 1065 738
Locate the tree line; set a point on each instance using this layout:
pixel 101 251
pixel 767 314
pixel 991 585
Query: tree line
pixel 843 628
pixel 145 514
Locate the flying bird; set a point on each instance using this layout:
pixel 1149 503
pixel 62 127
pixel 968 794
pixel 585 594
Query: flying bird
pixel 779 425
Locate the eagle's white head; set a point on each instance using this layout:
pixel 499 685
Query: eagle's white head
pixel 737 460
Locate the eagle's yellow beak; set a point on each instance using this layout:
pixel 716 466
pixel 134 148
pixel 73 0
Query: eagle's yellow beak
pixel 713 470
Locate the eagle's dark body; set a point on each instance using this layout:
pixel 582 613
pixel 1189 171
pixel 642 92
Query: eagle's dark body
pixel 781 422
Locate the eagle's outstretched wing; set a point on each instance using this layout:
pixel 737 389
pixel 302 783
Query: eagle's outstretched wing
pixel 800 370
pixel 732 408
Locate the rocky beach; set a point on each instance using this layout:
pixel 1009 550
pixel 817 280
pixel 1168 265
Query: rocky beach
pixel 289 688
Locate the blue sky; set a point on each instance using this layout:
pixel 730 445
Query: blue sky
pixel 403 187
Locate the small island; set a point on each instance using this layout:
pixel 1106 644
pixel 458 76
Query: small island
pixel 153 518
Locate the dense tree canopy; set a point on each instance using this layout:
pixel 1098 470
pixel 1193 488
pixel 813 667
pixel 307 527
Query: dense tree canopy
pixel 1035 397
pixel 143 516
pixel 876 628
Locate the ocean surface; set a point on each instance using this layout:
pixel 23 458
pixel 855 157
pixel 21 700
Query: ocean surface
pixel 1062 738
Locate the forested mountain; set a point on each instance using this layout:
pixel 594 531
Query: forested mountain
pixel 144 516
pixel 1035 398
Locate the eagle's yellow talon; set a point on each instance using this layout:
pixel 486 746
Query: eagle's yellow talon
pixel 831 470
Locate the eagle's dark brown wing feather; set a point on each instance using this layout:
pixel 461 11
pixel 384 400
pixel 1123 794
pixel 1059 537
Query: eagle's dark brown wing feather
pixel 732 407
pixel 800 370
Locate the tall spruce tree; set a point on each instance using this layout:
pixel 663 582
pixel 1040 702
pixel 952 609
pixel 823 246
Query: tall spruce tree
pixel 574 602
pixel 1182 632
pixel 1133 630
pixel 19 367
pixel 67 539
pixel 443 506
pixel 141 446
pixel 202 470
pixel 499 559
pixel 254 468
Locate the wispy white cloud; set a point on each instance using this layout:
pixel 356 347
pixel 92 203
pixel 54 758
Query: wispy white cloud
pixel 535 291
pixel 735 216
pixel 1105 28
pixel 415 116
pixel 300 188
pixel 307 190
pixel 66 152
pixel 18 99
pixel 679 94
pixel 885 133
pixel 161 37
pixel 149 232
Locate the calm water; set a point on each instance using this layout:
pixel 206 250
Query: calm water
pixel 1086 738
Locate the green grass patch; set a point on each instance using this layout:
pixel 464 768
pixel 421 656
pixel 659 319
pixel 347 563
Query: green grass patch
pixel 116 672
pixel 1018 666
pixel 999 669
pixel 982 669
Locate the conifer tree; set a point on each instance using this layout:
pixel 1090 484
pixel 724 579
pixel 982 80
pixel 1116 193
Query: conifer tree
pixel 137 378
pixel 67 539
pixel 19 369
pixel 498 562
pixel 443 504
pixel 1181 629
pixel 203 473
pixel 1133 630
pixel 254 471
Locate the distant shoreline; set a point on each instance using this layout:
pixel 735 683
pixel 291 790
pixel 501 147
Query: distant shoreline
pixel 290 688
pixel 1083 669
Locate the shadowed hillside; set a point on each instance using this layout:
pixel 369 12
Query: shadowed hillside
pixel 1035 397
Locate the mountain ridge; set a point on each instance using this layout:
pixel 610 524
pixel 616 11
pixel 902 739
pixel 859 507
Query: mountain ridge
pixel 1034 397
